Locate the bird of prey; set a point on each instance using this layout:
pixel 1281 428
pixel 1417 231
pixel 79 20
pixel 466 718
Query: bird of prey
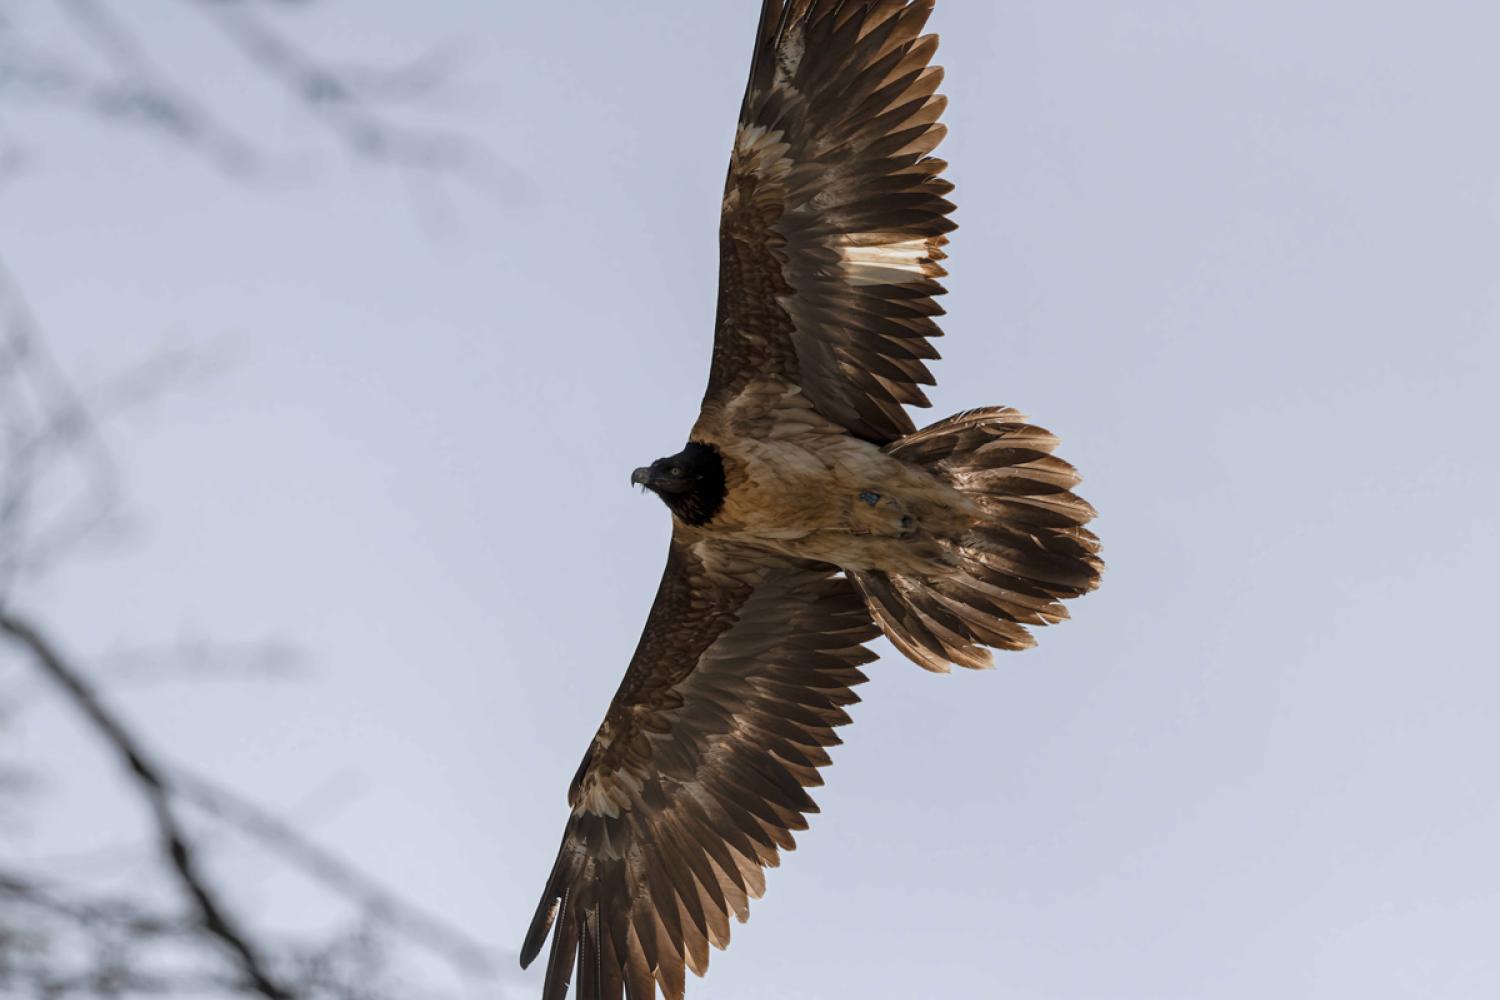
pixel 809 514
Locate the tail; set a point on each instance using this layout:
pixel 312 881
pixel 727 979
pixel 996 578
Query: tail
pixel 1029 551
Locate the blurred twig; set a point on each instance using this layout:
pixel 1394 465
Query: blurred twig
pixel 345 101
pixel 122 913
pixel 47 435
pixel 175 846
pixel 134 93
pixel 350 103
pixel 173 841
pixel 378 902
pixel 58 487
pixel 199 658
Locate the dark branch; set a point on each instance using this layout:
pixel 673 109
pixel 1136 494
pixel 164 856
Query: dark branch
pixel 339 875
pixel 57 482
pixel 350 103
pixel 135 93
pixel 121 914
pixel 174 843
pixel 342 100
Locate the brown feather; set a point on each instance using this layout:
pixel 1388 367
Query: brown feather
pixel 1029 551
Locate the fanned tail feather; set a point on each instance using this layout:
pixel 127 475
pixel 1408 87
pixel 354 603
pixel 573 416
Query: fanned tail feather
pixel 1029 552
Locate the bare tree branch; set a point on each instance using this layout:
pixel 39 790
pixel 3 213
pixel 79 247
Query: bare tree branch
pixel 44 427
pixel 342 104
pixel 198 658
pixel 122 913
pixel 46 435
pixel 380 903
pixel 137 94
pixel 173 842
pixel 348 102
pixel 107 62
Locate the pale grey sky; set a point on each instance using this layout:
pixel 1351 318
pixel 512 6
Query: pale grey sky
pixel 1243 258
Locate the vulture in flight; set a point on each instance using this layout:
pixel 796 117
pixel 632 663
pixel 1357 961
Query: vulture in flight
pixel 809 514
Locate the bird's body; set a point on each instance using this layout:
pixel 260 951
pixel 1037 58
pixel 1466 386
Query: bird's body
pixel 800 485
pixel 810 515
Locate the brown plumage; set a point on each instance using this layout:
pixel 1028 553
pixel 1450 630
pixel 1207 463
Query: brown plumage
pixel 809 514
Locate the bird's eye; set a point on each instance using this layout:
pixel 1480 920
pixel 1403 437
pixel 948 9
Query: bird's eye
pixel 676 470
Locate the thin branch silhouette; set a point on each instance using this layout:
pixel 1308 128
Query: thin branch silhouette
pixel 351 104
pixel 59 489
pixel 174 844
pixel 380 903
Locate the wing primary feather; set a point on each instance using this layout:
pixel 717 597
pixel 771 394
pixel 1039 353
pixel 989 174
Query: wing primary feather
pixel 588 959
pixel 564 947
pixel 546 911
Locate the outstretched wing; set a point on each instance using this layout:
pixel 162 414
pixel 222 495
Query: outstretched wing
pixel 834 215
pixel 695 780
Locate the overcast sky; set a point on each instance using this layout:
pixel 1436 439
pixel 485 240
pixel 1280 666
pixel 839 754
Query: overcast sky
pixel 1243 258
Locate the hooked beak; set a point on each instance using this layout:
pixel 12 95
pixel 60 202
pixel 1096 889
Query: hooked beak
pixel 641 477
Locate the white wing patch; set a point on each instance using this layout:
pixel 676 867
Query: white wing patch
pixel 607 794
pixel 759 153
pixel 762 152
pixel 888 263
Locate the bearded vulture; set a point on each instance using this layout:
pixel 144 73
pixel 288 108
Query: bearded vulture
pixel 809 514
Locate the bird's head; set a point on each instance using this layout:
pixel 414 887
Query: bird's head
pixel 690 482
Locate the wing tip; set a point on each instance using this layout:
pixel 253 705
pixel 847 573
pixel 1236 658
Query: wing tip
pixel 541 926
